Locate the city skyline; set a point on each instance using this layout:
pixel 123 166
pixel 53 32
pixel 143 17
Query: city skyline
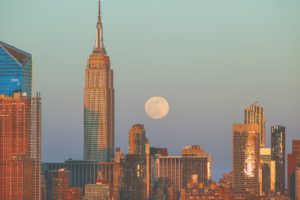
pixel 276 112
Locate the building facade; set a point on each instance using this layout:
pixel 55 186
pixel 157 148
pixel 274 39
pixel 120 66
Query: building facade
pixel 83 172
pixel 132 179
pixel 15 70
pixel 98 191
pixel 293 162
pixel 254 114
pixel 16 167
pixel 99 103
pixel 137 141
pixel 267 172
pixel 179 170
pixel 57 184
pixel 278 155
pixel 297 183
pixel 246 142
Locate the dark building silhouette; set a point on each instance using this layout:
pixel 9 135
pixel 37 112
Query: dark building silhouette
pixel 278 155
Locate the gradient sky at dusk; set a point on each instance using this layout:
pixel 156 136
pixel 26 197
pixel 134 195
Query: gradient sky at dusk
pixel 208 58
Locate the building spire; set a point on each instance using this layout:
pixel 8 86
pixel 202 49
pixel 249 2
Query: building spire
pixel 99 46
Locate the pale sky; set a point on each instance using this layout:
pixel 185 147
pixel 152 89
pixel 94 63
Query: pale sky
pixel 209 58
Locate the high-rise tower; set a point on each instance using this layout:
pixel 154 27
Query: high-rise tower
pixel 254 114
pixel 137 141
pixel 20 127
pixel 278 155
pixel 98 103
pixel 246 159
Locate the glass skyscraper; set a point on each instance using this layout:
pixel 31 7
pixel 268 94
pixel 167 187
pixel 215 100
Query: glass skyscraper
pixel 246 141
pixel 20 127
pixel 15 70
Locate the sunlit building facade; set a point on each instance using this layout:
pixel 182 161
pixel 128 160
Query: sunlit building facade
pixel 15 70
pixel 16 169
pixel 97 191
pixel 137 141
pixel 117 169
pixel 267 172
pixel 139 146
pixel 246 159
pixel 254 114
pixel 278 155
pixel 193 163
pixel 99 103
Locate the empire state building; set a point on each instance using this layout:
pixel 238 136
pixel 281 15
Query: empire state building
pixel 98 103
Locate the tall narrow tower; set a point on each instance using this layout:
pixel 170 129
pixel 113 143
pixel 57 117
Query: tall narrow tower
pixel 278 155
pixel 98 103
pixel 254 114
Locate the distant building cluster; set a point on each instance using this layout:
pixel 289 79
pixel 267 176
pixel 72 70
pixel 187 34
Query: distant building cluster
pixel 145 173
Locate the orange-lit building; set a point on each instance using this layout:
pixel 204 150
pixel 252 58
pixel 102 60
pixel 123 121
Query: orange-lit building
pixel 194 163
pixel 246 149
pixel 99 103
pixel 254 114
pixel 16 164
pixel 139 146
pixel 137 141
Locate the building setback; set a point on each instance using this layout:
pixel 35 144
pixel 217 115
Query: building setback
pixel 99 103
pixel 254 114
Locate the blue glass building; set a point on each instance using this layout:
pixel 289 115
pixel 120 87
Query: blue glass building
pixel 15 70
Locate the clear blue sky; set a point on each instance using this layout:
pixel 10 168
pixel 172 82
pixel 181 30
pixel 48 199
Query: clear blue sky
pixel 209 58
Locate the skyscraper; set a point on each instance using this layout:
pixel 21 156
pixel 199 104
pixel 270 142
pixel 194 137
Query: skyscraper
pixel 35 144
pixel 246 159
pixel 132 179
pixel 297 183
pixel 139 146
pixel 254 114
pixel 99 103
pixel 137 141
pixel 15 70
pixel 293 162
pixel 20 127
pixel 15 162
pixel 278 155
pixel 266 172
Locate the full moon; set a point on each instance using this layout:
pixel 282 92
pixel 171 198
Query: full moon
pixel 157 107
